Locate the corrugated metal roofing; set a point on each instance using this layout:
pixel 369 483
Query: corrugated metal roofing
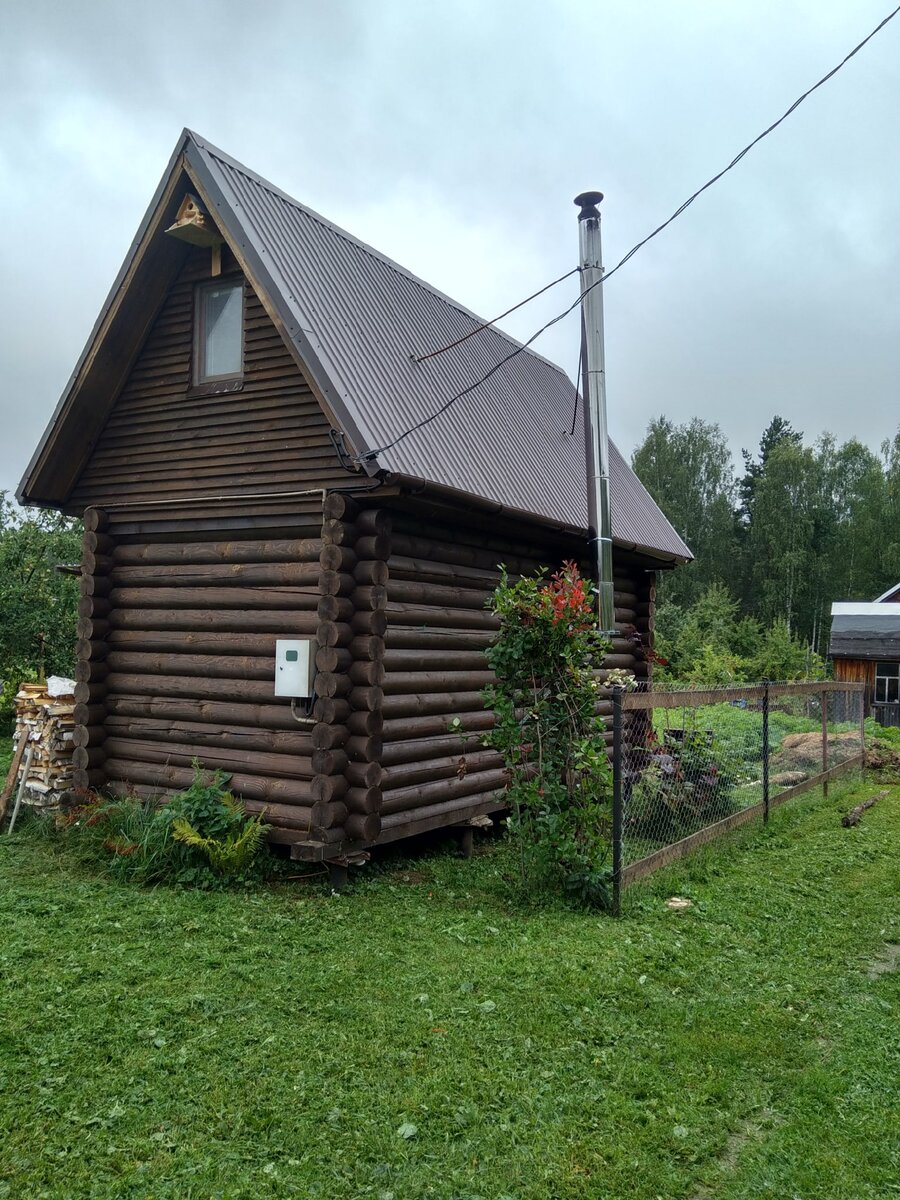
pixel 865 629
pixel 364 318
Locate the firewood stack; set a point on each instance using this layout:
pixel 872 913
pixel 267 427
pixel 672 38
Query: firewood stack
pixel 45 715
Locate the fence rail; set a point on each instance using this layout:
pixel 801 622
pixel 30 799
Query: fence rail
pixel 692 764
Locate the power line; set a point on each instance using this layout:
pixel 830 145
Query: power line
pixel 370 454
pixel 420 358
pixel 621 263
pixel 577 396
pixel 746 150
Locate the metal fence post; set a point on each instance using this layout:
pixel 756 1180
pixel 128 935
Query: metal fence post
pixel 765 751
pixel 862 730
pixel 617 800
pixel 824 703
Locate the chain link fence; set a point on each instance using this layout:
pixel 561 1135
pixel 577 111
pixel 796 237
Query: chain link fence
pixel 690 764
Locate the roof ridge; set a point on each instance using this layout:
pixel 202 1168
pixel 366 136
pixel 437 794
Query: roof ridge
pixel 214 151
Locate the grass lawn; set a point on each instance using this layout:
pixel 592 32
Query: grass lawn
pixel 421 1036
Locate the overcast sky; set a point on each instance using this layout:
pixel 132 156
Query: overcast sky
pixel 453 137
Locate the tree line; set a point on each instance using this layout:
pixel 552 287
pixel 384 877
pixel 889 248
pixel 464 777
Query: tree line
pixel 38 603
pixel 799 527
pixel 802 525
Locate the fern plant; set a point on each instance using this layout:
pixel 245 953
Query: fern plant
pixel 202 838
pixel 228 856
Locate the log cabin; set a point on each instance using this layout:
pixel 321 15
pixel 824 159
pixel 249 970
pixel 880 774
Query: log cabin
pixel 271 582
pixel 865 648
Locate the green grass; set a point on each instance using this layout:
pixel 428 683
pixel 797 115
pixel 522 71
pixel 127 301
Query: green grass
pixel 5 758
pixel 424 1036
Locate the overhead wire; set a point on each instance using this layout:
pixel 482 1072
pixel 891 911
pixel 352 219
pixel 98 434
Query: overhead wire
pixel 420 358
pixel 370 454
pixel 577 396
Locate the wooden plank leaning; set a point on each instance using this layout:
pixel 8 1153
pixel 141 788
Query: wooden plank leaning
pixel 22 785
pixel 12 776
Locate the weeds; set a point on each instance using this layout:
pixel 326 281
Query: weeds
pixel 202 837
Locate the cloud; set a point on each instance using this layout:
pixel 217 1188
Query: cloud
pixel 453 137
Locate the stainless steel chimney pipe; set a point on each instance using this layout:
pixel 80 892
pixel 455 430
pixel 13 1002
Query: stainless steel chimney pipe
pixel 594 391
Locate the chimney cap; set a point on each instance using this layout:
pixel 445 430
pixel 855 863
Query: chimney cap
pixel 587 202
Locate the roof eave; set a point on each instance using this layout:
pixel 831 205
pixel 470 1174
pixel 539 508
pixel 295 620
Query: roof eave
pixel 439 491
pixel 31 479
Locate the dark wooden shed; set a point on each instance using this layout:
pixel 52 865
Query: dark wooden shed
pixel 865 648
pixel 229 436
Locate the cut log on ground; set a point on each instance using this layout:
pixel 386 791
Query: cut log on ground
pixel 854 816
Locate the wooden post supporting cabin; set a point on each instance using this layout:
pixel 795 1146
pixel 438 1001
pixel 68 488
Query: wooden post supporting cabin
pixel 365 772
pixel 349 659
pixel 89 756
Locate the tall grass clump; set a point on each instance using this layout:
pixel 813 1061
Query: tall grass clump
pixel 202 837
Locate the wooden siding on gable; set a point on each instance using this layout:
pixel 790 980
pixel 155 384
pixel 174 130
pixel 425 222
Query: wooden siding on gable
pixel 162 441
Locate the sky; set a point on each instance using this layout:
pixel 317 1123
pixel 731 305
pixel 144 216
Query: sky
pixel 453 137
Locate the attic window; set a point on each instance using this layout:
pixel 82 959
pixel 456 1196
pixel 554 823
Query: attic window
pixel 219 333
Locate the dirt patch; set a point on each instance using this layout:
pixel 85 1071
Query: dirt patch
pixel 802 752
pixel 752 1129
pixel 409 877
pixel 887 962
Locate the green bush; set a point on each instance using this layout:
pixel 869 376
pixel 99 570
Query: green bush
pixel 201 838
pixel 889 734
pixel 549 733
pixel 38 605
pixel 710 645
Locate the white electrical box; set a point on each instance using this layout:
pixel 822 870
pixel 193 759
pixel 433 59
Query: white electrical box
pixel 295 665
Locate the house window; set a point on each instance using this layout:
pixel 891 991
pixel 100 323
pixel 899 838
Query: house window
pixel 219 332
pixel 887 683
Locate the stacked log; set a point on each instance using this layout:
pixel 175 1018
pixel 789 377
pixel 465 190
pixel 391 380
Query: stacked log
pixel 47 722
pixel 350 664
pixel 440 578
pixel 194 611
pixel 91 669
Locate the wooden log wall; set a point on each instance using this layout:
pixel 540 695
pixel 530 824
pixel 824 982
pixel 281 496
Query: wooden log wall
pixel 350 666
pixel 634 627
pixel 177 662
pixel 435 666
pixel 165 438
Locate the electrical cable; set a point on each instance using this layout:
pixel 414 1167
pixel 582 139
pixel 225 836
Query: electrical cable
pixel 420 358
pixel 746 150
pixel 370 454
pixel 577 384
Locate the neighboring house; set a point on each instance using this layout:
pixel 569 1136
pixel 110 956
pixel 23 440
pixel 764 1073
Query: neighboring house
pixel 229 436
pixel 865 648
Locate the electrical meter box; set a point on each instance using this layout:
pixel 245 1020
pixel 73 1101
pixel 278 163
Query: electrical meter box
pixel 295 660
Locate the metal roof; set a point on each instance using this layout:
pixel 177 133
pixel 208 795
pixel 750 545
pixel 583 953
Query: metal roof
pixel 360 320
pixel 865 629
pixel 356 320
pixel 878 611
